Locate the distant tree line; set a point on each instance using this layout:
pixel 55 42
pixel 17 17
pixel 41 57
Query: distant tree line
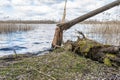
pixel 29 21
pixel 55 22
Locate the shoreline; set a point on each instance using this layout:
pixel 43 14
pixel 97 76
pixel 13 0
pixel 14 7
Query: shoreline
pixel 27 54
pixel 59 64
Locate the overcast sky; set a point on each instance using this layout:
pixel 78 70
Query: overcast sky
pixel 52 9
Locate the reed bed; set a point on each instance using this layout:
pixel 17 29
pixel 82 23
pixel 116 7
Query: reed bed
pixel 106 28
pixel 9 28
pixel 109 33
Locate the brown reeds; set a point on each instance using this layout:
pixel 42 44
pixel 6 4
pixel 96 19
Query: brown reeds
pixel 10 27
pixel 106 28
pixel 108 32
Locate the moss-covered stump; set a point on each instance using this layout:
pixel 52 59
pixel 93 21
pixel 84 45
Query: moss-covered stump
pixel 107 54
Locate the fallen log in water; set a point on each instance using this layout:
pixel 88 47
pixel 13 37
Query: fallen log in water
pixel 107 54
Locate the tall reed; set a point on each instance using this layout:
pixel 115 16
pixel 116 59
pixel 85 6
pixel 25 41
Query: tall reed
pixel 108 32
pixel 11 27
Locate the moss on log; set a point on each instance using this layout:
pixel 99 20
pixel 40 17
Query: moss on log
pixel 107 54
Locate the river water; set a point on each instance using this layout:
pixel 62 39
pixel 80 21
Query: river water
pixel 41 37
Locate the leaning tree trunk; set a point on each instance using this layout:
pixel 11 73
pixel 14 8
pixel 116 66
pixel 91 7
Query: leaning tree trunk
pixel 57 40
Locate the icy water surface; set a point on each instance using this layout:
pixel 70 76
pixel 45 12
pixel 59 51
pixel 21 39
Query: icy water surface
pixel 41 37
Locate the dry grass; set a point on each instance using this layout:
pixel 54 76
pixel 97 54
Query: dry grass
pixel 106 28
pixel 108 33
pixel 55 66
pixel 8 28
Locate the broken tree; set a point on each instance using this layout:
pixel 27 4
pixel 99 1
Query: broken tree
pixel 58 36
pixel 107 54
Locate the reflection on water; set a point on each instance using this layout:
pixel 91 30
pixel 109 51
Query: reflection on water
pixel 41 37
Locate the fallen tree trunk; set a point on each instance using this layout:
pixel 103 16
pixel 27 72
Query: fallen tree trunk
pixel 107 54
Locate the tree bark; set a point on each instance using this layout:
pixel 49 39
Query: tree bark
pixel 58 38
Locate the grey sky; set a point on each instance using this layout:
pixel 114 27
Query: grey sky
pixel 52 9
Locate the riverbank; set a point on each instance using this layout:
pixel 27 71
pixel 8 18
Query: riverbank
pixel 56 65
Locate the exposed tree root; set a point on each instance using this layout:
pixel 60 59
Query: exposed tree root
pixel 107 54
